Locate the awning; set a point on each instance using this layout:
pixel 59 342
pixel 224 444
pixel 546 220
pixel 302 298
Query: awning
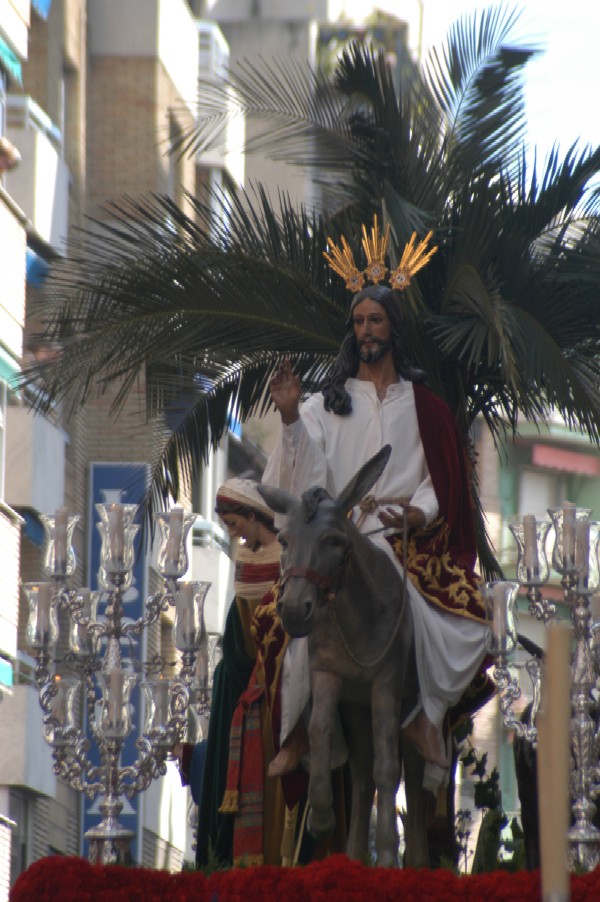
pixel 10 62
pixel 36 268
pixel 32 527
pixel 9 368
pixel 42 7
pixel 6 673
pixel 569 461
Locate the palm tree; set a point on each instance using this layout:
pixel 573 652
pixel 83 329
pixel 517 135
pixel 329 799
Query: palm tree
pixel 504 320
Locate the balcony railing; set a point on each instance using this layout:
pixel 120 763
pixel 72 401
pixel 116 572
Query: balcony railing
pixel 40 183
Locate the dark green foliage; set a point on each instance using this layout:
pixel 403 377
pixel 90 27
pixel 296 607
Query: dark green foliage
pixel 493 850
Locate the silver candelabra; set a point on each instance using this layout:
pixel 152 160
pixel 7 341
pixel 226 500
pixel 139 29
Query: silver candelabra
pixel 575 559
pixel 97 677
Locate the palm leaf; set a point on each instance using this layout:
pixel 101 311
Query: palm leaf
pixel 477 78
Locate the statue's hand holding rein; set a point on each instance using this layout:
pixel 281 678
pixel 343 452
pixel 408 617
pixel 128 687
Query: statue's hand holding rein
pixel 415 517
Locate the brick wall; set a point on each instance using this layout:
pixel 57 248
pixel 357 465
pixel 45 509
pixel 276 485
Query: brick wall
pixel 117 114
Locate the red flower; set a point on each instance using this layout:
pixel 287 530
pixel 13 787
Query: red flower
pixel 336 879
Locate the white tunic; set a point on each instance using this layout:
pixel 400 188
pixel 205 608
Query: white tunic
pixel 325 449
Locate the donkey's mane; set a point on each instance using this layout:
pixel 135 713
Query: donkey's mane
pixel 311 500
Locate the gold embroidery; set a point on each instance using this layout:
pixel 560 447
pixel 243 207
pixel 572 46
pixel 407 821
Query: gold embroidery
pixel 436 576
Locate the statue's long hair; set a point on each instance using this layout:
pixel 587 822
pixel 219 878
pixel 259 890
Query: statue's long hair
pixel 346 364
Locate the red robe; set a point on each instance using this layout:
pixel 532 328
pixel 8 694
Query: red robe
pixel 448 471
pixel 441 557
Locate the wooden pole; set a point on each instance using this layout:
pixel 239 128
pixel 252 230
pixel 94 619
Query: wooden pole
pixel 553 764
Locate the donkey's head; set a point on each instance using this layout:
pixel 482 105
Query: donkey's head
pixel 316 543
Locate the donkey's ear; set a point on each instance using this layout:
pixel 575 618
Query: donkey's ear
pixel 280 501
pixel 363 480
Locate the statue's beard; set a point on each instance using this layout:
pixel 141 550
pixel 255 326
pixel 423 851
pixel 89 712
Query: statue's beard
pixel 373 354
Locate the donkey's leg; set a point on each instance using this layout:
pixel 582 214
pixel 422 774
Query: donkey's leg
pixel 326 691
pixel 416 853
pixel 357 722
pixel 386 770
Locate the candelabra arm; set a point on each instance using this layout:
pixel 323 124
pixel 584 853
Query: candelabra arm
pixel 541 608
pixel 150 764
pixel 90 702
pixel 187 672
pixel 44 680
pixel 510 691
pixel 534 668
pixel 584 837
pixel 65 598
pixel 71 764
pixel 155 604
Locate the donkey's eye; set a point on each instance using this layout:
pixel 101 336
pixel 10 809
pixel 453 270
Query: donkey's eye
pixel 332 540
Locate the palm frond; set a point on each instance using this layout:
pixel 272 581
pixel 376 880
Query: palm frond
pixel 285 110
pixel 477 79
pixel 151 285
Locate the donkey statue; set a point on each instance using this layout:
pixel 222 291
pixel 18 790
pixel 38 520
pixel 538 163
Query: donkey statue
pixel 347 596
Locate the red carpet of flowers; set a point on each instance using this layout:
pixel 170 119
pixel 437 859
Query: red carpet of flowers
pixel 337 879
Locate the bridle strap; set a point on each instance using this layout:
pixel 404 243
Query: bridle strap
pixel 306 573
pixel 325 584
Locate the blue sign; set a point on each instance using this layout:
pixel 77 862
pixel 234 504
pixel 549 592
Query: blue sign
pixel 124 483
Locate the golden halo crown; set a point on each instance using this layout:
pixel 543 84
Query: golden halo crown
pixel 414 258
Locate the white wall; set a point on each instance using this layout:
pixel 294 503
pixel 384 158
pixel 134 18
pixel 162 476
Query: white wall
pixel 35 461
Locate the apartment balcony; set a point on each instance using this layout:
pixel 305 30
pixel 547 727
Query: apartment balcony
pixel 12 283
pixel 40 183
pixel 35 461
pixel 161 29
pixel 213 62
pixel 14 22
pixel 26 759
pixel 10 551
pixel 213 52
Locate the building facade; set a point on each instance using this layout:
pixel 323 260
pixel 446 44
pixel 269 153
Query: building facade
pixel 91 94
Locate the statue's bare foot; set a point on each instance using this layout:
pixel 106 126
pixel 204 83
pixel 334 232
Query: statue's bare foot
pixel 428 740
pixel 291 753
pixel 284 762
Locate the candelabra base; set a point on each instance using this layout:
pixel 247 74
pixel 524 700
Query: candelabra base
pixel 112 846
pixel 584 848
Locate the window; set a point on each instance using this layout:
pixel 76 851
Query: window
pixel 20 813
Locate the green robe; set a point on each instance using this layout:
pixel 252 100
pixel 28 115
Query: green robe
pixel 215 830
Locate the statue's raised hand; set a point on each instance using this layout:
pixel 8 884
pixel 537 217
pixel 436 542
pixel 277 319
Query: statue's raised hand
pixel 285 392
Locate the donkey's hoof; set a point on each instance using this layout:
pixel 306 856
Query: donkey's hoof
pixel 320 823
pixel 387 859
